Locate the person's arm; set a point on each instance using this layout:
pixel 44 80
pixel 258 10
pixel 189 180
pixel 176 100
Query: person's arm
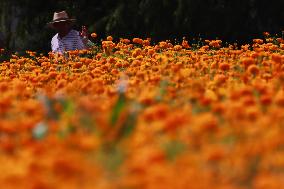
pixel 51 45
pixel 84 34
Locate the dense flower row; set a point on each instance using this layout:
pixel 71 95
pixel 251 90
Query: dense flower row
pixel 135 115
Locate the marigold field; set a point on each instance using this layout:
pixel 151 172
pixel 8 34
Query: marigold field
pixel 134 115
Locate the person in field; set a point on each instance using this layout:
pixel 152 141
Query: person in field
pixel 67 39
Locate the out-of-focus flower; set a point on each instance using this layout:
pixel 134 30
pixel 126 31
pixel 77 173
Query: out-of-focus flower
pixel 253 69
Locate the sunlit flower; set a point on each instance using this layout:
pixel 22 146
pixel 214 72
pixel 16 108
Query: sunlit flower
pixel 109 38
pixel 163 45
pixel 138 41
pixel 94 35
pixel 177 47
pixel 258 41
pixel 185 44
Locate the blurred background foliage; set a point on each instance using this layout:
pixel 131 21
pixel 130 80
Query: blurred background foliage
pixel 23 22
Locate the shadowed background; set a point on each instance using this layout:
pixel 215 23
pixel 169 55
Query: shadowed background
pixel 23 22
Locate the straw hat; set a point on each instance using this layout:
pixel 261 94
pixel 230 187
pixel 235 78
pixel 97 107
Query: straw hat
pixel 60 17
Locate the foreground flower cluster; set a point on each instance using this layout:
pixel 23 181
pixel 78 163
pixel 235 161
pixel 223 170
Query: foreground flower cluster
pixel 132 115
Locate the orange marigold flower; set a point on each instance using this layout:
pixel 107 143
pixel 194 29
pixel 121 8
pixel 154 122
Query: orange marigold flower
pixel 258 41
pixel 175 121
pixel 207 41
pixel 151 52
pixel 138 41
pixel 108 45
pixel 224 66
pixel 215 154
pixel 177 47
pixel 252 113
pixel 276 58
pixel 126 41
pixel 248 61
pixel 204 48
pixel 206 122
pixel 77 65
pixel 66 167
pixel 266 100
pixel 273 47
pixel 146 42
pixel 114 71
pixel 220 79
pixel 213 65
pixel 52 74
pixel 3 87
pixel 6 143
pixel 5 103
pixel 109 38
pixel 243 47
pixel 279 98
pixel 253 69
pixel 280 40
pixel 215 43
pixel 163 45
pixel 156 112
pixel 94 35
pixel 61 83
pixel 266 34
pixel 87 143
pixel 218 108
pixel 267 76
pixel 249 101
pixel 269 40
pixel 170 45
pixel 185 44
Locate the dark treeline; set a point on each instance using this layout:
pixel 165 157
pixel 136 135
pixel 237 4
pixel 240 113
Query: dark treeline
pixel 23 22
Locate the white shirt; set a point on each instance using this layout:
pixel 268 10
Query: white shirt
pixel 71 41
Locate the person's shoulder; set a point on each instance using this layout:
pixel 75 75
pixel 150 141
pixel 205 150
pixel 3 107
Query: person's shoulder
pixel 55 37
pixel 75 32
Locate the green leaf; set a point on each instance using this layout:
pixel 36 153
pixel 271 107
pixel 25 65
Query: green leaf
pixel 63 133
pixel 163 90
pixel 173 149
pixel 129 126
pixel 229 140
pixel 111 158
pixel 130 123
pixel 68 107
pixel 118 108
pixel 198 108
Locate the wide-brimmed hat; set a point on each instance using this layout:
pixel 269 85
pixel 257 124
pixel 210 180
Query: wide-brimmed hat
pixel 60 17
